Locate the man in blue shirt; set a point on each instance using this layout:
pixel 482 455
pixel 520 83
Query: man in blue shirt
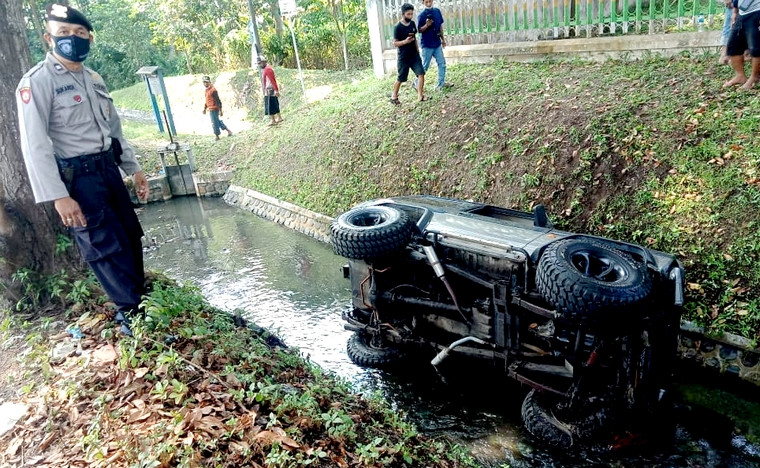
pixel 430 23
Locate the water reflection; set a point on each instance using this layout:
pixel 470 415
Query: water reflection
pixel 292 284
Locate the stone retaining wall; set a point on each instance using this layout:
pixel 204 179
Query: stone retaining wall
pixel 307 222
pixel 159 189
pixel 729 354
pixel 214 184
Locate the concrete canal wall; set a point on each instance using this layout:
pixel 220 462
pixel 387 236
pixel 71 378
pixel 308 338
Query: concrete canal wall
pixel 307 222
pixel 205 185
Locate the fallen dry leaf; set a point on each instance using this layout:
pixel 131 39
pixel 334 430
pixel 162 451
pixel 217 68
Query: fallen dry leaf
pixel 105 354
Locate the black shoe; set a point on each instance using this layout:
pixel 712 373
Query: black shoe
pixel 122 320
pixel 125 330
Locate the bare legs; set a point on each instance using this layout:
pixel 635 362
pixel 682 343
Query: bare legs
pixel 740 77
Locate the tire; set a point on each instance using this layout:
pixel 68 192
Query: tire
pixel 538 415
pixel 364 354
pixel 370 232
pixel 582 278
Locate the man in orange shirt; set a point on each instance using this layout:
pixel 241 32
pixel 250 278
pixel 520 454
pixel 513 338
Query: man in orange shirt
pixel 214 106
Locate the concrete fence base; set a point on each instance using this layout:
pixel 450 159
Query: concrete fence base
pixel 595 49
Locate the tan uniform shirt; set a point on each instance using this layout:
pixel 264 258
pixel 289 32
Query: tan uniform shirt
pixel 65 114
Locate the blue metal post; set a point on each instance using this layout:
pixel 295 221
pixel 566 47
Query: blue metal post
pixel 154 103
pixel 166 102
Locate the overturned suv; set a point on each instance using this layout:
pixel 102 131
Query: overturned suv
pixel 589 323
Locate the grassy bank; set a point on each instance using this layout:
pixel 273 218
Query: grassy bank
pixel 653 152
pixel 192 388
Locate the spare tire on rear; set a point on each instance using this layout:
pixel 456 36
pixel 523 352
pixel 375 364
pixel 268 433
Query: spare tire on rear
pixel 370 232
pixel 583 277
pixel 366 352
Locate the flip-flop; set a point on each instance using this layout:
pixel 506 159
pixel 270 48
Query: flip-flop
pixel 395 101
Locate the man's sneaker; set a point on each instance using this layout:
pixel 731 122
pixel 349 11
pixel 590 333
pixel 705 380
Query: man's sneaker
pixel 446 86
pixel 414 83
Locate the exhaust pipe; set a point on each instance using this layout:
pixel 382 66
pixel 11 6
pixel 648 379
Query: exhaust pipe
pixel 441 274
pixel 443 354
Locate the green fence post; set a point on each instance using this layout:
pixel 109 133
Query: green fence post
pixel 681 9
pixel 514 17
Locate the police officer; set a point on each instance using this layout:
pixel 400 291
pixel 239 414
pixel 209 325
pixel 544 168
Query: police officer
pixel 72 141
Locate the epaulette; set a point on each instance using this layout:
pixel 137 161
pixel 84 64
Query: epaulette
pixel 33 70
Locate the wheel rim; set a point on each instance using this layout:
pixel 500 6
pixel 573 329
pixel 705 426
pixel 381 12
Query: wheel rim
pixel 368 218
pixel 598 265
pixel 376 342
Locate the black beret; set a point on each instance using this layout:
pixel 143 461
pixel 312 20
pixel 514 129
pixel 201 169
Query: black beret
pixel 65 14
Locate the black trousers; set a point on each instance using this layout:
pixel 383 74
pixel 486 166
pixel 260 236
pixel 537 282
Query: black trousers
pixel 110 243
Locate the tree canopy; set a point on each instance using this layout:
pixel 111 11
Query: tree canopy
pixel 205 36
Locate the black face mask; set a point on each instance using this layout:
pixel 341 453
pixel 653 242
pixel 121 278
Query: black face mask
pixel 72 48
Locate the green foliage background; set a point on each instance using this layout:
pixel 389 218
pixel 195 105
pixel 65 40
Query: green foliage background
pixel 206 36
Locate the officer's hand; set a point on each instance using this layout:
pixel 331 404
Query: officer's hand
pixel 221 114
pixel 277 93
pixel 204 111
pixel 70 213
pixel 141 182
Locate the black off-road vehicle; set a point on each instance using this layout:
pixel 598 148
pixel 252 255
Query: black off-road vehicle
pixel 589 323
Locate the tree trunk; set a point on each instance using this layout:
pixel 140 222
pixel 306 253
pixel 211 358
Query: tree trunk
pixel 35 14
pixel 279 26
pixel 187 62
pixel 340 27
pixel 28 232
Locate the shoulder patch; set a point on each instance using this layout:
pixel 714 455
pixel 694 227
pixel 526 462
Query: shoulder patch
pixel 25 94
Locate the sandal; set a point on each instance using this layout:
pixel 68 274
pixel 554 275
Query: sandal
pixel 395 101
pixel 424 98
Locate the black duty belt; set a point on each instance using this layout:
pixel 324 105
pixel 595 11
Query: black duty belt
pixel 86 163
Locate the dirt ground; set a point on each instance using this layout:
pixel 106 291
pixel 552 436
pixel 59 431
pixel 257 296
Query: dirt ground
pixel 10 369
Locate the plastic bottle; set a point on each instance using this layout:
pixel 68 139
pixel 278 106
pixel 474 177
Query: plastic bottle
pixel 701 23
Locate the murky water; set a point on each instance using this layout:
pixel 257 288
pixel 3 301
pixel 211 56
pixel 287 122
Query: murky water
pixel 292 284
